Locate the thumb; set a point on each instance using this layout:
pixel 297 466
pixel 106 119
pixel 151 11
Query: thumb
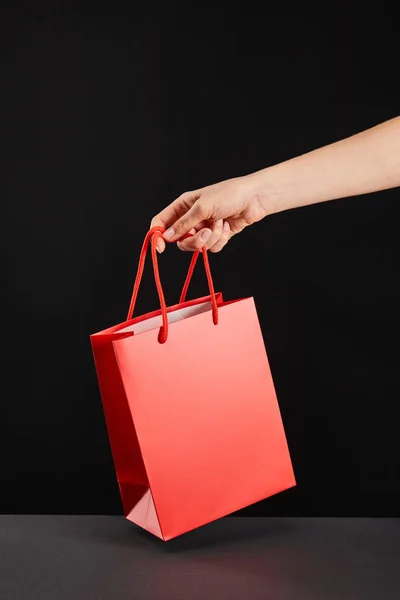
pixel 200 211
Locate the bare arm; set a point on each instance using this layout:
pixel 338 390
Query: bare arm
pixel 364 163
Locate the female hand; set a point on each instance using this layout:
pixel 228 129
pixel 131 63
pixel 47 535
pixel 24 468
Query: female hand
pixel 213 214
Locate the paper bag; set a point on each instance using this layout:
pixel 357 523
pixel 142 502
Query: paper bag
pixel 191 410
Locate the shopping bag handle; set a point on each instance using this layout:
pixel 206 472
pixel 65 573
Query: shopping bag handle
pixel 151 238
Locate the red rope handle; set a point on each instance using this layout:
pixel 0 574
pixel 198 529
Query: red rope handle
pixel 209 280
pixel 189 277
pixel 152 236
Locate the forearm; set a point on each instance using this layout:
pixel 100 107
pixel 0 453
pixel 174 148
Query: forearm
pixel 364 163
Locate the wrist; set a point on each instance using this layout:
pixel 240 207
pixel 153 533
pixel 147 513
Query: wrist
pixel 263 191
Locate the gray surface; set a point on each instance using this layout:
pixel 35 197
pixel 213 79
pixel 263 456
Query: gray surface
pixel 108 558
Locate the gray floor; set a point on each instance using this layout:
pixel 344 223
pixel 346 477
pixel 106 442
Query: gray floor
pixel 108 558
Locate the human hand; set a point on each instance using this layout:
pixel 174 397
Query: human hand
pixel 212 214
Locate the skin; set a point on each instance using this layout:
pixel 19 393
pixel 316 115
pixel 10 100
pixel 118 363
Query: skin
pixel 361 164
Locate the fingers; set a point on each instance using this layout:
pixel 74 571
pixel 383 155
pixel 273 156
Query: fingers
pixel 191 213
pixel 213 238
pixel 160 242
pixel 207 237
pixel 223 239
pixel 173 213
pixel 217 230
pixel 200 211
pixel 196 242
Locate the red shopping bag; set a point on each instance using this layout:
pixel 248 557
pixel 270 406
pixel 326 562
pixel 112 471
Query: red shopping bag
pixel 191 410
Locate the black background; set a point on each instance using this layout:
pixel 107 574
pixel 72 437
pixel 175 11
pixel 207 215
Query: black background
pixel 104 120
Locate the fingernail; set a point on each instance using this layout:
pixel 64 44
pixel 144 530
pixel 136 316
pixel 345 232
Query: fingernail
pixel 219 223
pixel 169 234
pixel 226 226
pixel 205 236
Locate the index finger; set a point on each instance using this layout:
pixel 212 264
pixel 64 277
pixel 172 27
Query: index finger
pixel 172 213
pixel 164 219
